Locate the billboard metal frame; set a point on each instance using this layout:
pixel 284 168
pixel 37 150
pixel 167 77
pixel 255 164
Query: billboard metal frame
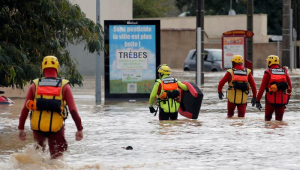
pixel 239 33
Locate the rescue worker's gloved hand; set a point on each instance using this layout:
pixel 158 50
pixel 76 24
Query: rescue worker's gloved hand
pixel 152 110
pixel 258 106
pixel 221 95
pixel 253 101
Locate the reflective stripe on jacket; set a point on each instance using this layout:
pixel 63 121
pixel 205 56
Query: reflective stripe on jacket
pixel 50 113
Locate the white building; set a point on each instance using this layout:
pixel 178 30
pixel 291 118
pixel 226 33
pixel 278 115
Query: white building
pixel 109 10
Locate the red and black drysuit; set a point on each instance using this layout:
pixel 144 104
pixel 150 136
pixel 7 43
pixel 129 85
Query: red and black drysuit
pixel 275 101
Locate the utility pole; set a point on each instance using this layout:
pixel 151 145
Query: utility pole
pixel 296 25
pixel 98 59
pixel 291 40
pixel 286 33
pixel 199 44
pixel 298 33
pixel 250 28
pixel 297 14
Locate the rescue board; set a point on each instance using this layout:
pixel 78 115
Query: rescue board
pixel 190 101
pixel 5 100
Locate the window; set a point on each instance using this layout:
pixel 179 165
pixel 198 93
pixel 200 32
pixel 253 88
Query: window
pixel 206 56
pixel 217 55
pixel 194 56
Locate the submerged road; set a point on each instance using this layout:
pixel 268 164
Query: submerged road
pixel 210 142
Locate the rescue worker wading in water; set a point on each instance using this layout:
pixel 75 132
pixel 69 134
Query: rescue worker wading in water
pixel 166 91
pixel 238 79
pixel 46 99
pixel 278 86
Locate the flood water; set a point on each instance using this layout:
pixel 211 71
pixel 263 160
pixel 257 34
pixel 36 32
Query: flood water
pixel 210 142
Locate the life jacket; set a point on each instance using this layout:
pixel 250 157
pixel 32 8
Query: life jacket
pixel 238 86
pixel 276 93
pixel 168 95
pixel 50 110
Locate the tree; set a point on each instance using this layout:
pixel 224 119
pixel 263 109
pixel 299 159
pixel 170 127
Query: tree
pixel 33 29
pixel 188 6
pixel 150 9
pixel 273 8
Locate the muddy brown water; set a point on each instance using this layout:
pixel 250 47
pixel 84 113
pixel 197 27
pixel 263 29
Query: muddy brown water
pixel 210 142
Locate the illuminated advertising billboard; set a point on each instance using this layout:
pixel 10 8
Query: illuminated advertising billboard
pixel 131 57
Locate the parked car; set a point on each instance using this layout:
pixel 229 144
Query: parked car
pixel 212 60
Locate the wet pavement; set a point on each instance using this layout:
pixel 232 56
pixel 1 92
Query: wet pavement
pixel 210 142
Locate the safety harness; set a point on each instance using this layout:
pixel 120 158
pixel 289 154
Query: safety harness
pixel 48 110
pixel 276 89
pixel 238 88
pixel 168 95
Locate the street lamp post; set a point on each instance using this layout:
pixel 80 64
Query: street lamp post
pixel 98 59
pixel 200 50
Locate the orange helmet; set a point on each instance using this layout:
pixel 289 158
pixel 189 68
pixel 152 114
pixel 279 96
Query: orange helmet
pixel 50 62
pixel 272 59
pixel 237 59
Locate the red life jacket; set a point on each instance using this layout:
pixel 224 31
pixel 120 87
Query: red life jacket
pixel 240 75
pixel 278 77
pixel 50 87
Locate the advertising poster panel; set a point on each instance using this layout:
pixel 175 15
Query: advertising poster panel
pixel 232 46
pixel 131 58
